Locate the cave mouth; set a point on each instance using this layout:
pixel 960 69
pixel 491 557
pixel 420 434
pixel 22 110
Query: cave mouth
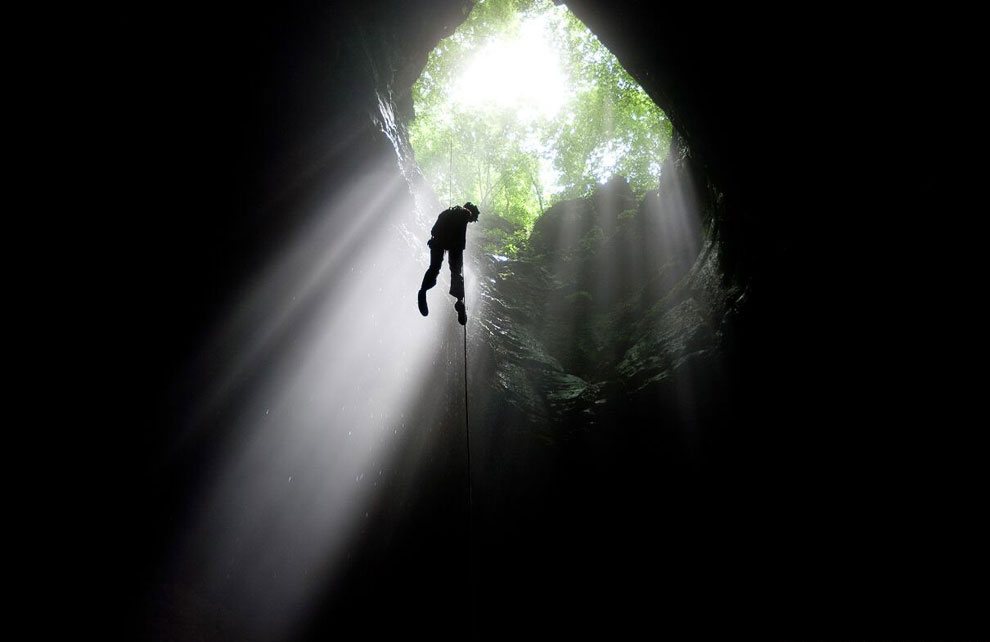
pixel 522 107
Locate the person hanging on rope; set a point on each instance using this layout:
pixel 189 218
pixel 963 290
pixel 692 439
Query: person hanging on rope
pixel 449 235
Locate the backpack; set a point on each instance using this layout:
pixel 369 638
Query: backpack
pixel 445 229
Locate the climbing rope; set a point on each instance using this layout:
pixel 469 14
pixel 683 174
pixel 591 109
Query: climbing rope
pixel 467 438
pixel 467 428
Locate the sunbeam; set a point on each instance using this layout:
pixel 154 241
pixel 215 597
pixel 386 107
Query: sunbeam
pixel 318 369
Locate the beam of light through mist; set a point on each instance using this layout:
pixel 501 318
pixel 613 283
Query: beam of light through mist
pixel 315 372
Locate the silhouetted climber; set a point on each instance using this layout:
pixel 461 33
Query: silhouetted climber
pixel 449 235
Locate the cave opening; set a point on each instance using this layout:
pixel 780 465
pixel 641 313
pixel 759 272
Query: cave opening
pixel 522 107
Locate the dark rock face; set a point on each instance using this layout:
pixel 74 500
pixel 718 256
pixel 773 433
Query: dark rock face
pixel 605 341
pixel 664 435
pixel 609 297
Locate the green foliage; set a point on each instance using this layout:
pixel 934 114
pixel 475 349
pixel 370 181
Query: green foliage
pixel 512 163
pixel 592 238
pixel 579 297
pixel 613 127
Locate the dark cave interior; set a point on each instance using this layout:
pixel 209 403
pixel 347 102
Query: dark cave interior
pixel 834 494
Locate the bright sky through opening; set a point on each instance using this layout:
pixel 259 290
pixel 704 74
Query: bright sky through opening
pixel 521 72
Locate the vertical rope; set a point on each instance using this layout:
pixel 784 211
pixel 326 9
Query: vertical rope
pixel 467 438
pixel 467 426
pixel 450 174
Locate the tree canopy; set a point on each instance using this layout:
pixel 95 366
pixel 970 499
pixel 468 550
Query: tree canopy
pixel 523 106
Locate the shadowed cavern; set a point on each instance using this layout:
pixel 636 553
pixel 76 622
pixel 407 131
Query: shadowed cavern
pixel 753 479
